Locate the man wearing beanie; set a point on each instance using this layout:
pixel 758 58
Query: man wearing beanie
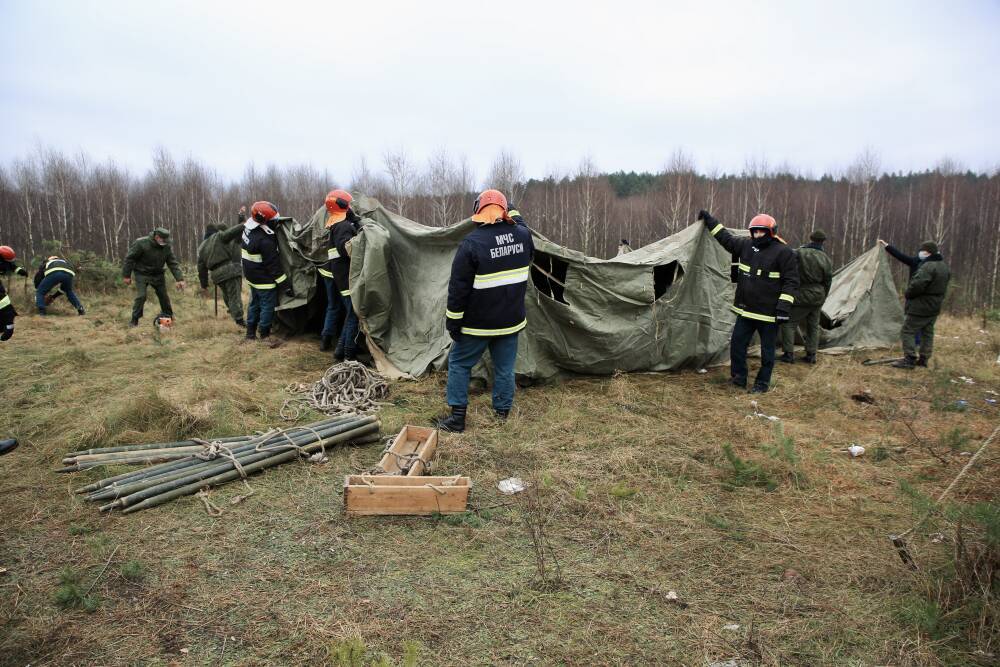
pixel 815 278
pixel 924 297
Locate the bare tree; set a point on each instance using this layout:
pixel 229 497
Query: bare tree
pixel 402 178
pixel 507 176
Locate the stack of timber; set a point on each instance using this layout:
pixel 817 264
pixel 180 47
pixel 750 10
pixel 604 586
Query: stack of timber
pixel 220 461
pixel 399 484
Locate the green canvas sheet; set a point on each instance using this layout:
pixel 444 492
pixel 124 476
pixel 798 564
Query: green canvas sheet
pixel 664 306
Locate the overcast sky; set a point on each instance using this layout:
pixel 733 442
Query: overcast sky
pixel 805 83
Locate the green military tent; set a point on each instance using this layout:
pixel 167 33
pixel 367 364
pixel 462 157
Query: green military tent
pixel 660 307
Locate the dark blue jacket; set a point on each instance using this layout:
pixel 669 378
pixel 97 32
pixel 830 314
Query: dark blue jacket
pixel 259 252
pixel 339 263
pixel 7 312
pixel 911 261
pixel 489 278
pixel 57 265
pixel 768 274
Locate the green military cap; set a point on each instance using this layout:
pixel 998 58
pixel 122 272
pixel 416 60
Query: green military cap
pixel 817 236
pixel 162 232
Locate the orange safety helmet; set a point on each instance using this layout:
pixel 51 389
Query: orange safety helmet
pixel 263 211
pixel 765 222
pixel 7 253
pixel 337 203
pixel 486 199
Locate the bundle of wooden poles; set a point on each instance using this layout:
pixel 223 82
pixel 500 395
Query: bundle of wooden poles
pixel 205 464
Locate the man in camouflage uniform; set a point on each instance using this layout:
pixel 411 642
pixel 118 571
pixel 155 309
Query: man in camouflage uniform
pixel 219 258
pixel 924 297
pixel 144 264
pixel 815 278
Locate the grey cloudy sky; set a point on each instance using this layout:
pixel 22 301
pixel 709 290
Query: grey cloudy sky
pixel 805 83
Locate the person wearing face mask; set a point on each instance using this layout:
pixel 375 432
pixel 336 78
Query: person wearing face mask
pixel 925 293
pixel 144 264
pixel 768 279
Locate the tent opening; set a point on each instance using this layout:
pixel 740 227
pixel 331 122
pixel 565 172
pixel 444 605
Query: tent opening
pixel 664 276
pixel 548 275
pixel 828 324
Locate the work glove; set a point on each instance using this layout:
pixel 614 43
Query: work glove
pixel 454 329
pixel 707 218
pixel 7 332
pixel 21 271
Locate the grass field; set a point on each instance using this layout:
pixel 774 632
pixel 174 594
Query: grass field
pixel 778 553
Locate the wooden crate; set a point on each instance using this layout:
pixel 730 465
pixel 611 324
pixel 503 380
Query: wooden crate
pixel 395 494
pixel 412 441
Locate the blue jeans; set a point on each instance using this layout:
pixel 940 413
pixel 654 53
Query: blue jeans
pixel 65 283
pixel 349 334
pixel 465 353
pixel 333 306
pixel 261 309
pixel 743 332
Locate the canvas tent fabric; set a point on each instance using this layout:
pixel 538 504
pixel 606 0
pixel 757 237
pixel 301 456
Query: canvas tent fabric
pixel 862 309
pixel 661 307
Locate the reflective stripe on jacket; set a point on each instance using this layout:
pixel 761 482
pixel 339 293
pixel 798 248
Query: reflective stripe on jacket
pixel 768 274
pixel 489 279
pixel 260 259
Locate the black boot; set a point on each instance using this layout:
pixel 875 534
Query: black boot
pixel 7 446
pixel 810 358
pixel 134 323
pixel 502 415
pixel 758 389
pixel 338 352
pixel 921 361
pixel 325 343
pixel 787 358
pixel 265 332
pixel 455 422
pixel 251 332
pixel 41 311
pixel 906 362
pixel 241 323
pixel 740 383
pixel 81 311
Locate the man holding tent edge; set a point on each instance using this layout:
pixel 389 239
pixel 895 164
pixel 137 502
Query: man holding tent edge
pixel 219 259
pixel 765 291
pixel 925 294
pixel 489 279
pixel 261 267
pixel 343 223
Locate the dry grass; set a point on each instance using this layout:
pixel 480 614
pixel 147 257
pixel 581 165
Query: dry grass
pixel 637 497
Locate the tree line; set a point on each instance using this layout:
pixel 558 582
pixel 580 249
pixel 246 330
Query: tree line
pixel 103 206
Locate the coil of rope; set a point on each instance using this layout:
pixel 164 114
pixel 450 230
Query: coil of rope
pixel 345 388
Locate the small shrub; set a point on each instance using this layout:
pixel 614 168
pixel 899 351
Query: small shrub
pixel 71 595
pixel 783 451
pixel 747 473
pixel 133 571
pixel 956 439
pixel 623 492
